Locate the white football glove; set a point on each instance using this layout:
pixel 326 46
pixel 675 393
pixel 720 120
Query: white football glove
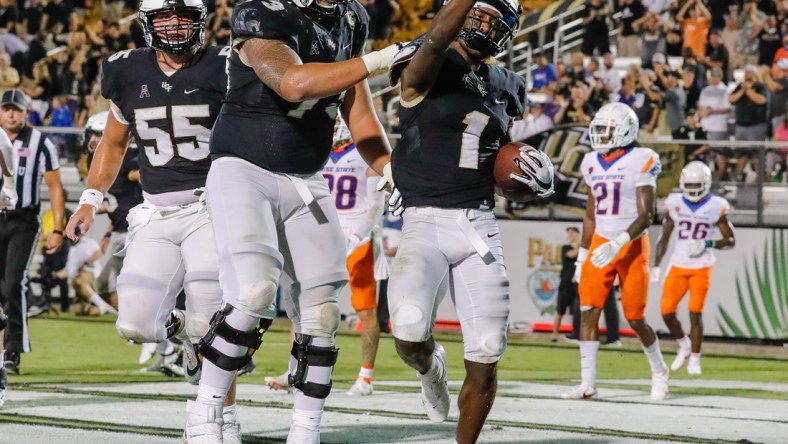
pixel 8 197
pixel 386 183
pixel 582 255
pixel 537 171
pixel 655 274
pixel 696 248
pixel 604 254
pixel 382 59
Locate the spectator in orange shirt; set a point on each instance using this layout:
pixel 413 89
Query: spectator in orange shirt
pixel 781 53
pixel 695 27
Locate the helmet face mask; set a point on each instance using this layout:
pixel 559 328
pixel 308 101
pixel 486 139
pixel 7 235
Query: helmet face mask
pixel 95 127
pixel 173 26
pixel 615 125
pixel 488 28
pixel 695 181
pixel 324 7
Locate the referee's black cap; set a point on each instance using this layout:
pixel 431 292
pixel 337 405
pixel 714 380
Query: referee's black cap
pixel 14 97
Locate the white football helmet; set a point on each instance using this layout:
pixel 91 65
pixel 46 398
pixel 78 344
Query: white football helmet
pixel 193 10
pixel 95 126
pixel 615 125
pixel 695 181
pixel 341 132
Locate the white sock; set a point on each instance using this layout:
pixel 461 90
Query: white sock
pixel 433 374
pixel 228 413
pixel 684 343
pixel 2 359
pixel 312 407
pixel 103 306
pixel 654 355
pixel 588 352
pixel 309 420
pixel 695 359
pixel 366 373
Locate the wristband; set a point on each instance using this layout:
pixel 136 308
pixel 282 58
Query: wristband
pixel 373 61
pixel 108 234
pixel 711 244
pixel 92 197
pixel 582 254
pixel 60 232
pixel 623 238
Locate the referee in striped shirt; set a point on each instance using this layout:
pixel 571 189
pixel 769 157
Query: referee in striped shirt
pixel 34 158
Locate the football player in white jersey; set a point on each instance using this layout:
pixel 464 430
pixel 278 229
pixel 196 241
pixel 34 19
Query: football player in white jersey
pixel 696 213
pixel 360 209
pixel 621 179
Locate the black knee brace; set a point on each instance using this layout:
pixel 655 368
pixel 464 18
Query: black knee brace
pixel 307 355
pixel 219 327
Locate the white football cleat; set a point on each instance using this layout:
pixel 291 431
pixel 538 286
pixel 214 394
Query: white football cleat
pixel 300 435
pixel 279 382
pixel 231 429
pixel 681 357
pixel 659 385
pixel 435 392
pixel 693 368
pixel 147 350
pixel 192 366
pixel 207 420
pixel 582 391
pixel 360 388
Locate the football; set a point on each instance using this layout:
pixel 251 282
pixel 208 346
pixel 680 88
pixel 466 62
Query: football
pixel 505 165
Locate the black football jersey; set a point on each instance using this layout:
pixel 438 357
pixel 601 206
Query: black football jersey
pixel 450 139
pixel 171 116
pixel 257 125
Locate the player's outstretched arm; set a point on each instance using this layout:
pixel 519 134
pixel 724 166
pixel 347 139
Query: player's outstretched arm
pixel 365 128
pixel 103 172
pixel 281 69
pixel 423 69
pixel 728 237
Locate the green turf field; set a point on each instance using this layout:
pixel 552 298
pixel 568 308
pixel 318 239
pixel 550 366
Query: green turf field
pixel 78 350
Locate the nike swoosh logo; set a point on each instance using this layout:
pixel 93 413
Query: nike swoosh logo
pixel 189 91
pixel 192 371
pixel 500 102
pixel 491 234
pixel 346 46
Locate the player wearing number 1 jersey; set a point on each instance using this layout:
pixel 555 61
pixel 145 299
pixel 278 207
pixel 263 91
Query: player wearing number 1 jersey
pixel 166 96
pixel 695 214
pixel 621 179
pixel 455 112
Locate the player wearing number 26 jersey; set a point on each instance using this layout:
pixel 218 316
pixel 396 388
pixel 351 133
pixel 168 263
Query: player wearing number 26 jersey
pixel 621 179
pixel 167 97
pixel 695 215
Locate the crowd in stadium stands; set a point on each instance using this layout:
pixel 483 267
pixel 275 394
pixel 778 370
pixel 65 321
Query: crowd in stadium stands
pixel 681 81
pixel 53 50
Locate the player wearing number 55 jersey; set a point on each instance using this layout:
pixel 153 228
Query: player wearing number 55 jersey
pixel 455 113
pixel 695 214
pixel 166 96
pixel 621 180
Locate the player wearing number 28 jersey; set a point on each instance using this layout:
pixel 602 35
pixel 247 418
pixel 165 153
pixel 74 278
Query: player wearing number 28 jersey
pixel 696 215
pixel 621 180
pixel 167 96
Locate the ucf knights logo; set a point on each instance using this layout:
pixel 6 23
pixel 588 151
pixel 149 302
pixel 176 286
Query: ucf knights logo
pixel 166 86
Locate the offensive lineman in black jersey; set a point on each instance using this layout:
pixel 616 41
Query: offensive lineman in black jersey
pixel 167 96
pixel 294 65
pixel 455 112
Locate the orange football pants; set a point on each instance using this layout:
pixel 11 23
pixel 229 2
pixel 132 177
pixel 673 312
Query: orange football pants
pixel 361 267
pixel 631 266
pixel 678 281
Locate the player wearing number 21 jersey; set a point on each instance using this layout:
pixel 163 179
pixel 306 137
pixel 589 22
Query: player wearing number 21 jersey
pixel 621 179
pixel 695 215
pixel 167 96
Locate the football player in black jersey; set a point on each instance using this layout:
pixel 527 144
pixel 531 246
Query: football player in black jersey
pixel 294 65
pixel 455 112
pixel 166 96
